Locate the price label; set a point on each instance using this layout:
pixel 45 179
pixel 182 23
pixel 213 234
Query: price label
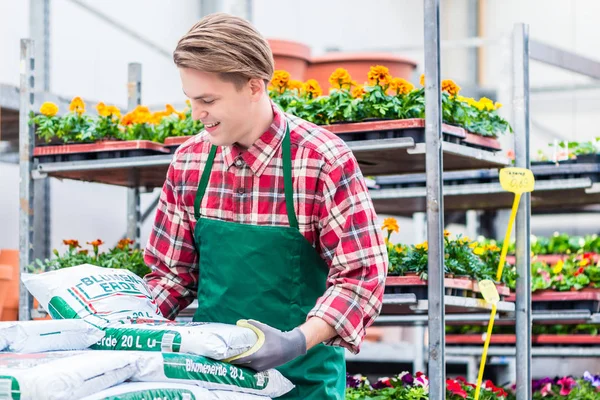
pixel 488 291
pixel 517 180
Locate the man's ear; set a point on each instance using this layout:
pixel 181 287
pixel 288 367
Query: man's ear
pixel 257 87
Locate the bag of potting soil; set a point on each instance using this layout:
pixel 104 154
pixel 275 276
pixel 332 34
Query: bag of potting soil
pixel 212 340
pixel 99 295
pixel 62 375
pixel 167 391
pixel 209 374
pixel 51 335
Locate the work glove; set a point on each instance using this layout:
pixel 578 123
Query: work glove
pixel 274 348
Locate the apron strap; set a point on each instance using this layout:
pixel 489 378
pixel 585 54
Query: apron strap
pixel 287 180
pixel 286 150
pixel 204 181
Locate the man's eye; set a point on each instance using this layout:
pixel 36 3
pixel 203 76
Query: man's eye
pixel 208 101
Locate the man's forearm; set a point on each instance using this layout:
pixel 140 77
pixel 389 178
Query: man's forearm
pixel 317 331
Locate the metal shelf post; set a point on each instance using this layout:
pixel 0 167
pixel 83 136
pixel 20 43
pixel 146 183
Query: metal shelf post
pixel 26 139
pixel 520 107
pixel 435 205
pixel 134 98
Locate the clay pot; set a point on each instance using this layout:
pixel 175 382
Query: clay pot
pixel 358 65
pixel 290 56
pixel 9 264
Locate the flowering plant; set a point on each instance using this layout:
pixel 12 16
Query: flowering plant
pixel 122 256
pixel 406 386
pixel 575 272
pixel 586 388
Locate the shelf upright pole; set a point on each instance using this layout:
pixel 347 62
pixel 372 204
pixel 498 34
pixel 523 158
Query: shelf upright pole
pixel 520 107
pixel 134 98
pixel 26 139
pixel 435 203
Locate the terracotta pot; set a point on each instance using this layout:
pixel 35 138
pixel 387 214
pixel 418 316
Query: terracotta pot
pixel 290 56
pixel 6 276
pixel 9 259
pixel 358 65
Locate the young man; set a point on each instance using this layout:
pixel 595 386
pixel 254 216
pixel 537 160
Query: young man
pixel 265 217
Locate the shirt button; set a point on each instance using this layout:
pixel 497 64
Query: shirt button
pixel 240 190
pixel 238 163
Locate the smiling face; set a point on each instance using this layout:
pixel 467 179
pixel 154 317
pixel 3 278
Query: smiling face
pixel 226 110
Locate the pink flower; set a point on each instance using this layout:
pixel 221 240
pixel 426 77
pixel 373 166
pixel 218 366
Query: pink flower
pixel 546 390
pixel 566 385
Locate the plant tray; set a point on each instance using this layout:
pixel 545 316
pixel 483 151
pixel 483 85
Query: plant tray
pixel 482 142
pixel 390 129
pixel 544 300
pixel 510 339
pixel 173 142
pixel 98 151
pixel 462 287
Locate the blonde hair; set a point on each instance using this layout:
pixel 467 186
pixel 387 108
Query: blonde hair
pixel 227 45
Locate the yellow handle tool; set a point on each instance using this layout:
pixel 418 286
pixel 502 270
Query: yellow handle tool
pixel 517 181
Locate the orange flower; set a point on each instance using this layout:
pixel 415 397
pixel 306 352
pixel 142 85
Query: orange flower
pixel 340 78
pixel 77 105
pixel 280 80
pixel 391 225
pixel 379 75
pixel 124 244
pixel 96 242
pixel 72 243
pixel 102 109
pixel 49 109
pixel 358 92
pixel 169 109
pixel 113 110
pixel 312 89
pixel 295 84
pixel 401 86
pixel 449 86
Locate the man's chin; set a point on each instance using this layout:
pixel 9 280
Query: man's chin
pixel 218 141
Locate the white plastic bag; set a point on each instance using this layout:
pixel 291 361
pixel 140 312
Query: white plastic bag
pixel 99 295
pixel 50 335
pixel 212 340
pixel 209 374
pixel 62 375
pixel 167 391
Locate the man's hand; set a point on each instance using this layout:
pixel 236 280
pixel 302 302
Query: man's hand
pixel 277 349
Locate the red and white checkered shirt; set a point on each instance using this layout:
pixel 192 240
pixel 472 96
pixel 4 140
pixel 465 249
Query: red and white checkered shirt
pixel 331 200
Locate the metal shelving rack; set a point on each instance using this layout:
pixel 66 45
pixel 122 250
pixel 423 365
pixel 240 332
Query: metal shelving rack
pixel 137 172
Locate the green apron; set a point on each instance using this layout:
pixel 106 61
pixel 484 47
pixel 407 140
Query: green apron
pixel 271 274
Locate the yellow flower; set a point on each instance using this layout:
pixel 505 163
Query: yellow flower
pixel 390 224
pixel 399 249
pixel 169 109
pixel 312 88
pixel 77 105
pixel 473 245
pixel 189 103
pixel 113 110
pixel 585 262
pixel 446 233
pixel 558 267
pixel 497 105
pixel 49 109
pixel 422 80
pixel 479 251
pixel 295 84
pixel 358 92
pixel 379 75
pixel 486 104
pixel 422 246
pixel 102 109
pixel 449 86
pixel 280 80
pixel 340 78
pixel 401 86
pixel 492 247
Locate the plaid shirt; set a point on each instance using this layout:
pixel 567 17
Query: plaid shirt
pixel 331 201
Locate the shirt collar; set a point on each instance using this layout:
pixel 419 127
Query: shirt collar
pixel 259 155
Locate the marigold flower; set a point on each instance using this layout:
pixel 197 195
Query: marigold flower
pixel 96 242
pixel 49 109
pixel 312 88
pixel 102 109
pixel 422 80
pixel 340 78
pixel 390 224
pixel 449 86
pixel 77 105
pixel 358 92
pixel 379 75
pixel 72 243
pixel 486 104
pixel 124 243
pixel 400 86
pixel 280 80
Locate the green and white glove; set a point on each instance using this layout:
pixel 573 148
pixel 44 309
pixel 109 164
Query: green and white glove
pixel 273 349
